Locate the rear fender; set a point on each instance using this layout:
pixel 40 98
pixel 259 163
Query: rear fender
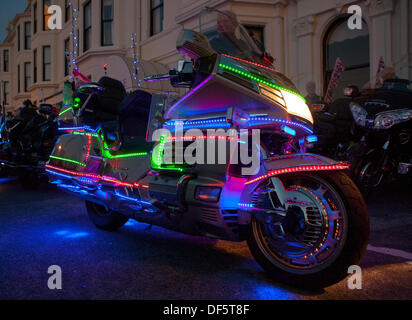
pixel 274 167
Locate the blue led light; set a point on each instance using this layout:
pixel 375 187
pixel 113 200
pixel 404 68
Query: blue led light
pixel 245 205
pixel 222 123
pixel 264 120
pixel 288 130
pixel 59 174
pixel 312 139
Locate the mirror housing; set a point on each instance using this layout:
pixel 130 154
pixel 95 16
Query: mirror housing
pixel 194 45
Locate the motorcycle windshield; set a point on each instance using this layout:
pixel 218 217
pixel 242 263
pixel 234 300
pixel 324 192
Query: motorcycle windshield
pixel 227 36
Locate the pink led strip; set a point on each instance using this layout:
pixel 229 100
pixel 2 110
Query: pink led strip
pixel 250 62
pixel 97 177
pixel 191 138
pixel 341 166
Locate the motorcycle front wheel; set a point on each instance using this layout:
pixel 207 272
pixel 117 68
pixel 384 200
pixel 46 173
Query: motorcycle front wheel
pixel 317 236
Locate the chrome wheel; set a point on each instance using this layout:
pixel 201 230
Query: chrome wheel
pixel 300 223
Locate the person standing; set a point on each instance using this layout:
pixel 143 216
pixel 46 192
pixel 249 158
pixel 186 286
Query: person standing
pixel 312 98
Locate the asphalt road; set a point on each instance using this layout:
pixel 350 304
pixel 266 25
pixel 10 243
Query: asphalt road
pixel 47 227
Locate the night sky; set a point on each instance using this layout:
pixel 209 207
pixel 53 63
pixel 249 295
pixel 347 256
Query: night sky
pixel 8 10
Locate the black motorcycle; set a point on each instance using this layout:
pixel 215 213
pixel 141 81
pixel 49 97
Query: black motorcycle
pixel 384 153
pixel 335 129
pixel 26 146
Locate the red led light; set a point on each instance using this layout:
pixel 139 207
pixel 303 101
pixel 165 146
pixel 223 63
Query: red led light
pixel 89 143
pixel 93 176
pixel 341 166
pixel 250 62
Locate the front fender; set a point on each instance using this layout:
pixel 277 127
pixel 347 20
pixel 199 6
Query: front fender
pixel 271 167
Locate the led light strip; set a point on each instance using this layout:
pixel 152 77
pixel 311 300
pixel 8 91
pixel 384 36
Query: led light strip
pixel 65 111
pixel 252 77
pixel 291 123
pixel 73 174
pixel 68 160
pixel 191 138
pixel 157 157
pixel 250 62
pixel 341 166
pixel 106 153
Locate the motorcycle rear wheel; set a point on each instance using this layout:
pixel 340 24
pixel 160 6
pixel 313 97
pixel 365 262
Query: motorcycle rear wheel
pixel 108 220
pixel 328 262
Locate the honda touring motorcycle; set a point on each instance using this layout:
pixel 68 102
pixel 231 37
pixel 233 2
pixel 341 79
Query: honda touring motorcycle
pixel 304 220
pixel 26 144
pixel 384 151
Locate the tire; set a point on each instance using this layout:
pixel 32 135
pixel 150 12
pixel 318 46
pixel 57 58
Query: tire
pixel 351 248
pixel 103 219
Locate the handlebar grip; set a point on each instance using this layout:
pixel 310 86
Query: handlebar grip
pixel 157 77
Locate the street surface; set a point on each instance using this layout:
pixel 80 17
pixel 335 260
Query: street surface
pixel 48 227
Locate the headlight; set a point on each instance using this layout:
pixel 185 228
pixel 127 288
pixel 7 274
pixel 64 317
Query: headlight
pixel 297 106
pixel 359 114
pixel 385 120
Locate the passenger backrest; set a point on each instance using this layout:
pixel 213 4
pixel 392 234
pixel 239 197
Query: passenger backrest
pixel 112 96
pixel 134 113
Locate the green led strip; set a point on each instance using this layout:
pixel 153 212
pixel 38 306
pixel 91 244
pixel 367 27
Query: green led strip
pixel 157 160
pixel 68 160
pixel 65 111
pixel 106 153
pixel 252 77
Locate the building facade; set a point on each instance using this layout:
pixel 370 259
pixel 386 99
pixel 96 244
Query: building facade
pixel 304 36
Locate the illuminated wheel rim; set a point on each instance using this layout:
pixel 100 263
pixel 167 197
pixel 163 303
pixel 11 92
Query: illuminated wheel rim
pixel 321 236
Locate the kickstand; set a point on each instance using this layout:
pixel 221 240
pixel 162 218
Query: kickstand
pixel 149 227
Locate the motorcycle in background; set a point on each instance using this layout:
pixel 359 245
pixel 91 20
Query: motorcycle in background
pixel 335 129
pixel 304 220
pixel 384 153
pixel 27 145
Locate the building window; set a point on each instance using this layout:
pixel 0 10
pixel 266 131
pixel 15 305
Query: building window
pixel 66 57
pixel 6 60
pixel 67 10
pixel 18 79
pixel 34 66
pixel 27 76
pixel 46 15
pixel 357 66
pixel 34 18
pixel 87 26
pixel 107 22
pixel 6 92
pixel 46 63
pixel 156 14
pixel 18 38
pixel 27 35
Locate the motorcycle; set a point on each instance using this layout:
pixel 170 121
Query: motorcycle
pixel 335 129
pixel 384 153
pixel 304 220
pixel 26 146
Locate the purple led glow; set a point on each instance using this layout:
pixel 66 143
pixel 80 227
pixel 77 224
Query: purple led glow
pixel 189 94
